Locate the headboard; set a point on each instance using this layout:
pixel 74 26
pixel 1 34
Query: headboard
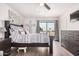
pixel 7 26
pixel 16 25
pixel 7 33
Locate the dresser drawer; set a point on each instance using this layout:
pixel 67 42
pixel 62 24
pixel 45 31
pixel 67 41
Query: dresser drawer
pixel 70 40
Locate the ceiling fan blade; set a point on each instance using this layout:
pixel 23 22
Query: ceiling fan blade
pixel 47 6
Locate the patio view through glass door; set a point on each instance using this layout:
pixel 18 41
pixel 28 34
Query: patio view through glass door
pixel 47 27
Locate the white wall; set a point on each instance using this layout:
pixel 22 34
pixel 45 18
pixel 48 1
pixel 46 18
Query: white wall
pixel 1 25
pixel 3 12
pixel 65 23
pixel 33 21
pixel 5 16
pixel 17 17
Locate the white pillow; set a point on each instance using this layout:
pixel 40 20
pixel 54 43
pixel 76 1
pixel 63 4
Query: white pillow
pixel 21 30
pixel 27 31
pixel 14 27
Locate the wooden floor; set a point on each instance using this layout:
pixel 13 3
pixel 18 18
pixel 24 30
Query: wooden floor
pixel 43 51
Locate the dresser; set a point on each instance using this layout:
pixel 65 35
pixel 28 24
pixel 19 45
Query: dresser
pixel 70 41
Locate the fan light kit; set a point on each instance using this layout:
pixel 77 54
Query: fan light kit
pixel 41 4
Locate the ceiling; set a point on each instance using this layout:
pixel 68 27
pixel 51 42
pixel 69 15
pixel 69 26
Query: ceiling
pixel 35 10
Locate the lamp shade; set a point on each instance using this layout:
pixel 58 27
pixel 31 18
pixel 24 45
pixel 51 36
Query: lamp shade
pixel 1 23
pixel 2 29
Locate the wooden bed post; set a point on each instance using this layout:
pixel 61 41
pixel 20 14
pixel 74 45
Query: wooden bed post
pixel 51 46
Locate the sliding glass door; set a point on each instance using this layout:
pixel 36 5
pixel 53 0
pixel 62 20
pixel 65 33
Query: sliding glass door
pixel 47 27
pixel 51 29
pixel 42 27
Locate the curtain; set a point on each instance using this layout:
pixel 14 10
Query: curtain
pixel 57 30
pixel 38 28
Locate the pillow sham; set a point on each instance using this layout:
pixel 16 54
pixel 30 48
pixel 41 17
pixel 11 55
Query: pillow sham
pixel 21 31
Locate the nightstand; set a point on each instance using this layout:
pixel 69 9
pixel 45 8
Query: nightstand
pixel 5 46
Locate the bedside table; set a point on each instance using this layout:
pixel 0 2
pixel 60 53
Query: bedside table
pixel 5 45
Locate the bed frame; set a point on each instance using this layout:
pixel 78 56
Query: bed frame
pixel 7 26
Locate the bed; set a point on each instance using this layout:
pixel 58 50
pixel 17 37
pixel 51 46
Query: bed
pixel 33 37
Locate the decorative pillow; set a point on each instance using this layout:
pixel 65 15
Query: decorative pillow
pixel 14 27
pixel 27 31
pixel 21 31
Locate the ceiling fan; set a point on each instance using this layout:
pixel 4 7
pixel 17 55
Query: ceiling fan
pixel 46 6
